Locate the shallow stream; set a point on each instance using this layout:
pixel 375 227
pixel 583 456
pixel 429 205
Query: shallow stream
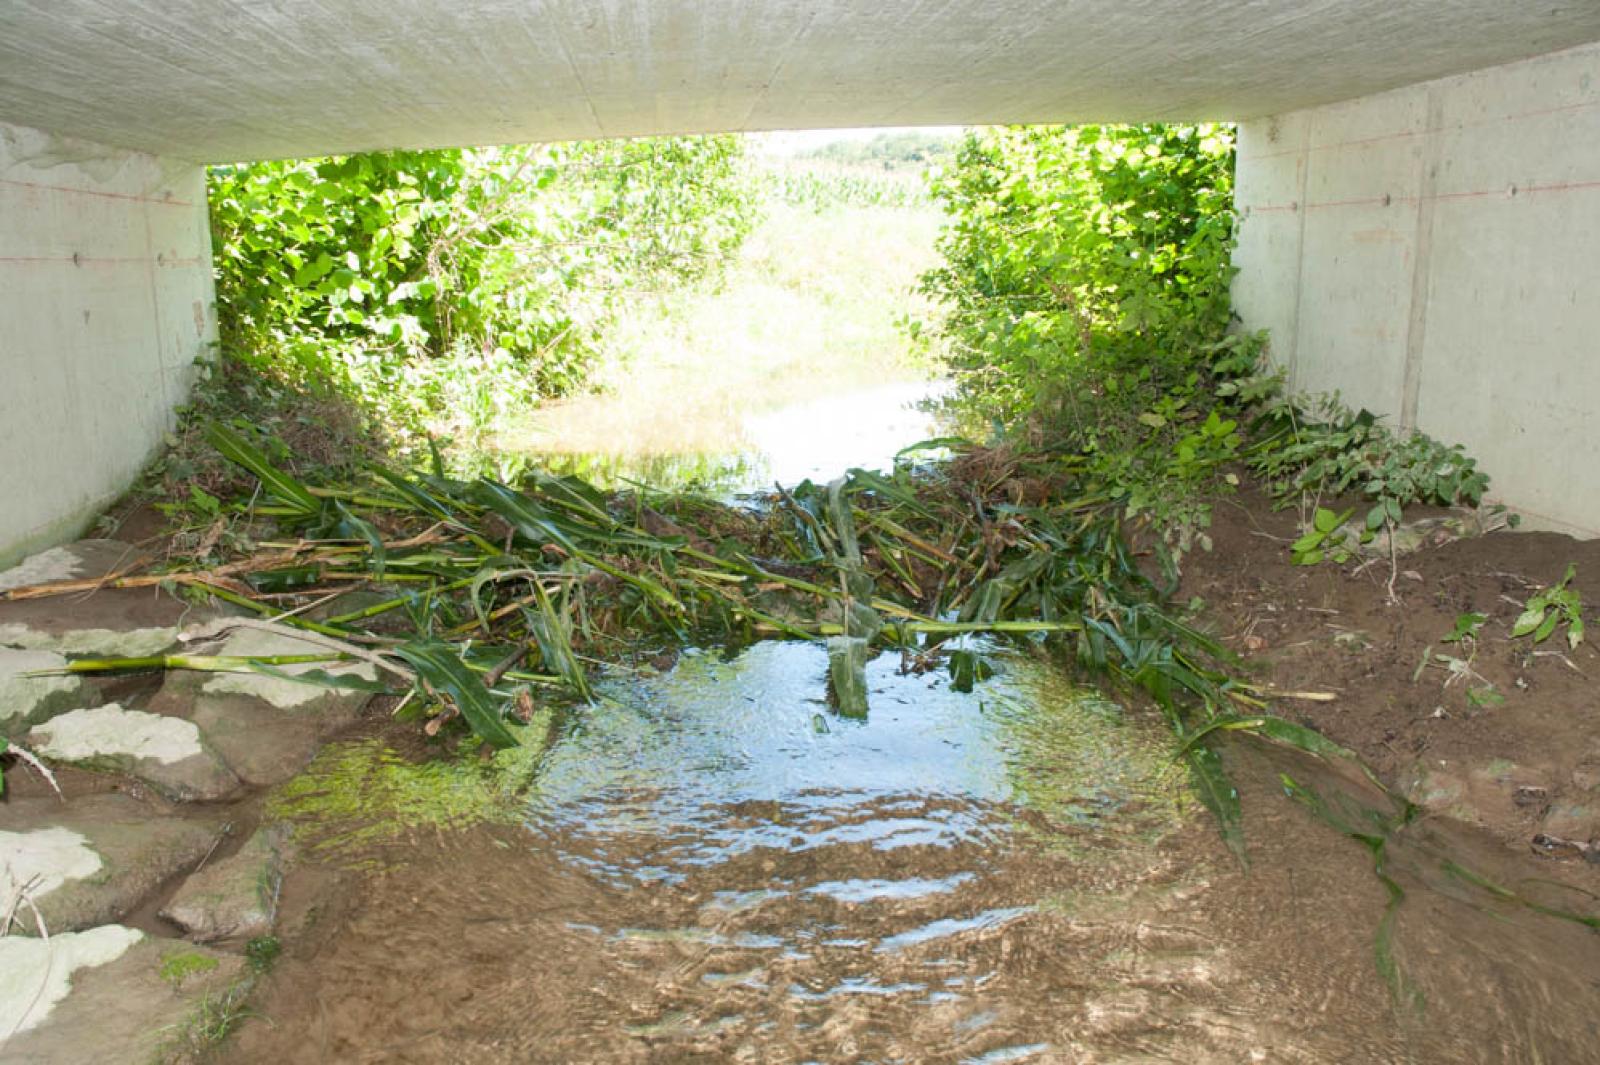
pixel 714 866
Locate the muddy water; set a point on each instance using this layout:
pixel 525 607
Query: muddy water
pixel 714 867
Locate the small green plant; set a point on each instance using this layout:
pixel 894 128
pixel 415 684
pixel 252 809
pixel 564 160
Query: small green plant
pixel 1551 608
pixel 261 952
pixel 1458 669
pixel 1327 538
pixel 179 966
pixel 213 1019
pixel 1309 447
pixel 1466 628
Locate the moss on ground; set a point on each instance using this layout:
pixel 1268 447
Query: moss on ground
pixel 361 794
pixel 179 966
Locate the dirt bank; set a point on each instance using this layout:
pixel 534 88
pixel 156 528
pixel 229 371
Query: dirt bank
pixel 1522 761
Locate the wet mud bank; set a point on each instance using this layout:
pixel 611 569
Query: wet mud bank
pixel 710 861
pixel 712 865
pixel 1494 731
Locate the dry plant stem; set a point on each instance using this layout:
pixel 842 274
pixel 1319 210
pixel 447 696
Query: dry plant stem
pixel 1394 562
pixel 216 628
pixel 505 665
pixel 294 556
pixel 24 896
pixel 32 761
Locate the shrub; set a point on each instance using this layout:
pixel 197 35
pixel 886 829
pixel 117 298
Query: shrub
pixel 1084 292
pixel 405 278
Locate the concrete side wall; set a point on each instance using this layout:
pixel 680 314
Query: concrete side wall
pixel 1433 254
pixel 105 303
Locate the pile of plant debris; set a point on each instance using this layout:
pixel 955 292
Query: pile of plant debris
pixel 471 596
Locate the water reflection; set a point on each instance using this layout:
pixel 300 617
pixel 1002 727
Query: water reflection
pixel 722 758
pixel 817 438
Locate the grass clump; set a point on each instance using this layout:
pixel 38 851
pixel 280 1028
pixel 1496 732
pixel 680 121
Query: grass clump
pixel 179 966
pixel 261 953
pixel 213 1019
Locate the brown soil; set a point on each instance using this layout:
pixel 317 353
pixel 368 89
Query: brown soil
pixel 1334 629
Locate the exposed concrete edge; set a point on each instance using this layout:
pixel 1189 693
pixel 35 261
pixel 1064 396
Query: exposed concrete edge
pixel 62 530
pixel 1532 521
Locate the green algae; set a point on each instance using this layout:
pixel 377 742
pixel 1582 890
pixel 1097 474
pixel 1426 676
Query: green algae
pixel 179 966
pixel 357 796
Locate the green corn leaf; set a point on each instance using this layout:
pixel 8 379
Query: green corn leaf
pixel 415 496
pixel 526 516
pixel 280 485
pixel 552 632
pixel 1219 795
pixel 1301 738
pixel 284 579
pixel 937 443
pixel 442 668
pixel 967 668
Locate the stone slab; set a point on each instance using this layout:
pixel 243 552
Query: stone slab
pixel 26 701
pixel 235 899
pixel 167 753
pixel 75 561
pixel 114 994
pixel 109 622
pixel 36 974
pixel 94 859
pixel 265 728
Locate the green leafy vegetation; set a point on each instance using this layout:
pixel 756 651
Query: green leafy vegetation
pixel 1307 449
pixel 1466 628
pixel 1084 300
pixel 1458 668
pixel 809 310
pixel 908 149
pixel 824 187
pixel 179 966
pixel 495 591
pixel 261 953
pixel 1551 608
pixel 1327 538
pixel 437 288
pixel 213 1019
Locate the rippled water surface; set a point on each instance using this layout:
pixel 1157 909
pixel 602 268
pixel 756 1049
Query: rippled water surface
pixel 715 867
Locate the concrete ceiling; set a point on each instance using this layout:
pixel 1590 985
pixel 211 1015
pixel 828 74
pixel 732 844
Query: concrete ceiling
pixel 237 79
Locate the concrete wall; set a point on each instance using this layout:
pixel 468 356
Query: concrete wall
pixel 105 303
pixel 1433 253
